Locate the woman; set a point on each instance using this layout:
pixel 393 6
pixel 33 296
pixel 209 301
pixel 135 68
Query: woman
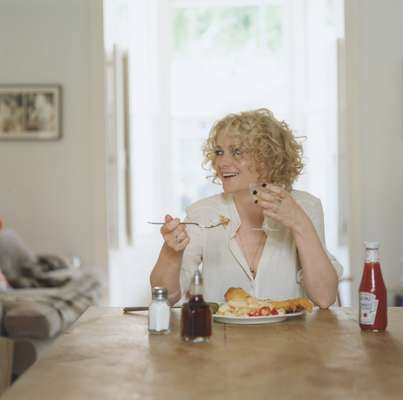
pixel 278 261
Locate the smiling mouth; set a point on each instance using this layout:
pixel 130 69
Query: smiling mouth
pixel 230 174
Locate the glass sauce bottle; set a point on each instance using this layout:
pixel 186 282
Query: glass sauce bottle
pixel 196 319
pixel 372 292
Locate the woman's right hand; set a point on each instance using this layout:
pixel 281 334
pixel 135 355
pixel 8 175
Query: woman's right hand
pixel 174 234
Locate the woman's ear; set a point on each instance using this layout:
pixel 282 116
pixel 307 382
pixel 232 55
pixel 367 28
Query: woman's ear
pixel 1 224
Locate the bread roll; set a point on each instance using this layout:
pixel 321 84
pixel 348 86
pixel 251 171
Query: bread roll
pixel 236 294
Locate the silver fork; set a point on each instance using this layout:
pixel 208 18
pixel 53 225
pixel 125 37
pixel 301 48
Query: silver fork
pixel 213 225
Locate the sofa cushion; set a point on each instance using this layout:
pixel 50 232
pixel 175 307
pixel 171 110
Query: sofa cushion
pixel 14 254
pixel 4 285
pixel 43 313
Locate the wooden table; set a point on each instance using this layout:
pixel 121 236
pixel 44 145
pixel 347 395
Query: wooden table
pixel 108 355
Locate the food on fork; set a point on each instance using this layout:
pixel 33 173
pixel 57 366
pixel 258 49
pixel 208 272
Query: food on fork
pixel 224 220
pixel 240 304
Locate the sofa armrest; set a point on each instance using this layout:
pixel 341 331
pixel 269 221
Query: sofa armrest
pixel 1 318
pixel 44 313
pixel 6 363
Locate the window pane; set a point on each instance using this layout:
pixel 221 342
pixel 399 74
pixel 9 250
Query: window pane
pixel 223 58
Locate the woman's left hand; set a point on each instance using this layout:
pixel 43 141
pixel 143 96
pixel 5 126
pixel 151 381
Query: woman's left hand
pixel 279 205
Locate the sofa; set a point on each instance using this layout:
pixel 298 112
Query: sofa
pixel 40 296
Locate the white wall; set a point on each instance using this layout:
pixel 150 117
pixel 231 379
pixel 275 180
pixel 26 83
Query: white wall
pixel 374 55
pixel 53 193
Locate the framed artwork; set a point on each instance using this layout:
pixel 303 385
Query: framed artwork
pixel 30 112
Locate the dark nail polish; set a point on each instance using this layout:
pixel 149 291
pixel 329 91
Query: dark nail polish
pixel 256 201
pixel 254 192
pixel 264 184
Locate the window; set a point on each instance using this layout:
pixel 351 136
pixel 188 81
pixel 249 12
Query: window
pixel 224 58
pixel 193 61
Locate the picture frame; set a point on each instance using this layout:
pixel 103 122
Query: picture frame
pixel 30 112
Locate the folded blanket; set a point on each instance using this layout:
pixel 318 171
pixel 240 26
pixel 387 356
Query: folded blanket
pixel 39 273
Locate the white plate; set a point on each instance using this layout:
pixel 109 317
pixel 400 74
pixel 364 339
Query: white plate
pixel 269 319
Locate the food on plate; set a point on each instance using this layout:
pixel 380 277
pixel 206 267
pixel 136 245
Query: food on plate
pixel 236 294
pixel 239 303
pixel 224 220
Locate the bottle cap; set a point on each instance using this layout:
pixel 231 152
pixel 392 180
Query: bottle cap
pixel 372 245
pixel 159 293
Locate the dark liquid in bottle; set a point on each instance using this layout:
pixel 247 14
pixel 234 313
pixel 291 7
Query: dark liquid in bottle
pixel 196 320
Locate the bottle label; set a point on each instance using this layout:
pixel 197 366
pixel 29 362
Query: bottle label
pixel 368 308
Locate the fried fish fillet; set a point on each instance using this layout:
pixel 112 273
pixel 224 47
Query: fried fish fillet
pixel 294 305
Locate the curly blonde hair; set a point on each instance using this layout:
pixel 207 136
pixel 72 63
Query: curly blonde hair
pixel 268 142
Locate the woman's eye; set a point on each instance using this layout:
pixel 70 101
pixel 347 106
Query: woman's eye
pixel 218 152
pixel 236 152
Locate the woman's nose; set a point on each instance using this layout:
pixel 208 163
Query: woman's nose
pixel 226 158
pixel 223 162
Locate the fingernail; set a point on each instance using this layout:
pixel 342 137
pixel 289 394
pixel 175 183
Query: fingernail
pixel 256 201
pixel 264 184
pixel 254 192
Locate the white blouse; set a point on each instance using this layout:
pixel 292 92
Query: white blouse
pixel 279 276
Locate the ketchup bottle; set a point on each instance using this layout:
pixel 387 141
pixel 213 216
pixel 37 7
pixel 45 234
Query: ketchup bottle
pixel 372 292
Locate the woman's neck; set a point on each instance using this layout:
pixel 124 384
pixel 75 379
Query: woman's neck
pixel 250 213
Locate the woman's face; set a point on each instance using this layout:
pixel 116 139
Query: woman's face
pixel 235 170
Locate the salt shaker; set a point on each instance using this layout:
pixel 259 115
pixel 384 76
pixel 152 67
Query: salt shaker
pixel 159 312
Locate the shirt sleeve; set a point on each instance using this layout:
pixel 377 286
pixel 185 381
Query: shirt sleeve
pixel 314 211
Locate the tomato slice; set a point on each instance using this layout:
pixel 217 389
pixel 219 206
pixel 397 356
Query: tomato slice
pixel 265 311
